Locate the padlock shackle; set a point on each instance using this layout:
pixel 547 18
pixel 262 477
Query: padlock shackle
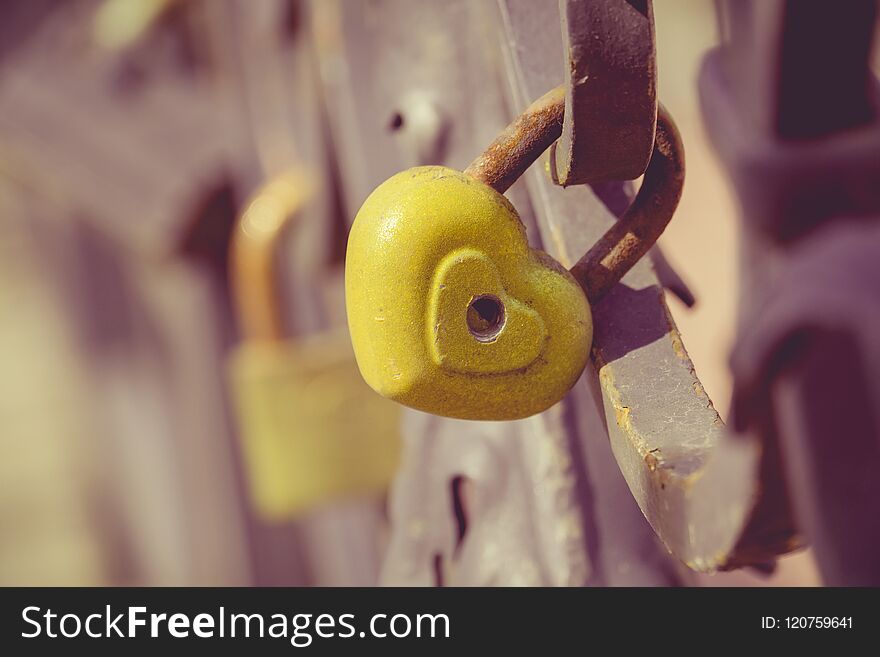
pixel 631 237
pixel 521 142
pixel 253 250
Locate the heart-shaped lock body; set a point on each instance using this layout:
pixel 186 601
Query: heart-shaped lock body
pixel 450 310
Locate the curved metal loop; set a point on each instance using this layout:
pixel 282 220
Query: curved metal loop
pixel 255 240
pixel 645 219
pixel 530 134
pixel 521 142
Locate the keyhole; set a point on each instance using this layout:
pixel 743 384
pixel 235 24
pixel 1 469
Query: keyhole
pixel 485 317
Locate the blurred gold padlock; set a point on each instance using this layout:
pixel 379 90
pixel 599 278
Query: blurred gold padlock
pixel 312 431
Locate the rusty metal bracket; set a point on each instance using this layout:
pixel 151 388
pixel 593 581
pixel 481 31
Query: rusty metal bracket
pixel 611 91
pixel 698 486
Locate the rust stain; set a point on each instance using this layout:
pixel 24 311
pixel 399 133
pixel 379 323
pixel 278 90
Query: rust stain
pixel 623 417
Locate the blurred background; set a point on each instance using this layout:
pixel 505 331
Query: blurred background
pixel 135 135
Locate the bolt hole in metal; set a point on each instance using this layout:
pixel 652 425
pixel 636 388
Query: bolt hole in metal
pixel 485 317
pixel 395 122
pixel 459 489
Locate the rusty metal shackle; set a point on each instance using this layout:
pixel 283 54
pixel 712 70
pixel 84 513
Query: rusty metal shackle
pixel 535 130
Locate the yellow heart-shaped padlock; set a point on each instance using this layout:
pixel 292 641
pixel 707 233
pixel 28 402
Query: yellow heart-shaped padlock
pixel 449 309
pixel 451 312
